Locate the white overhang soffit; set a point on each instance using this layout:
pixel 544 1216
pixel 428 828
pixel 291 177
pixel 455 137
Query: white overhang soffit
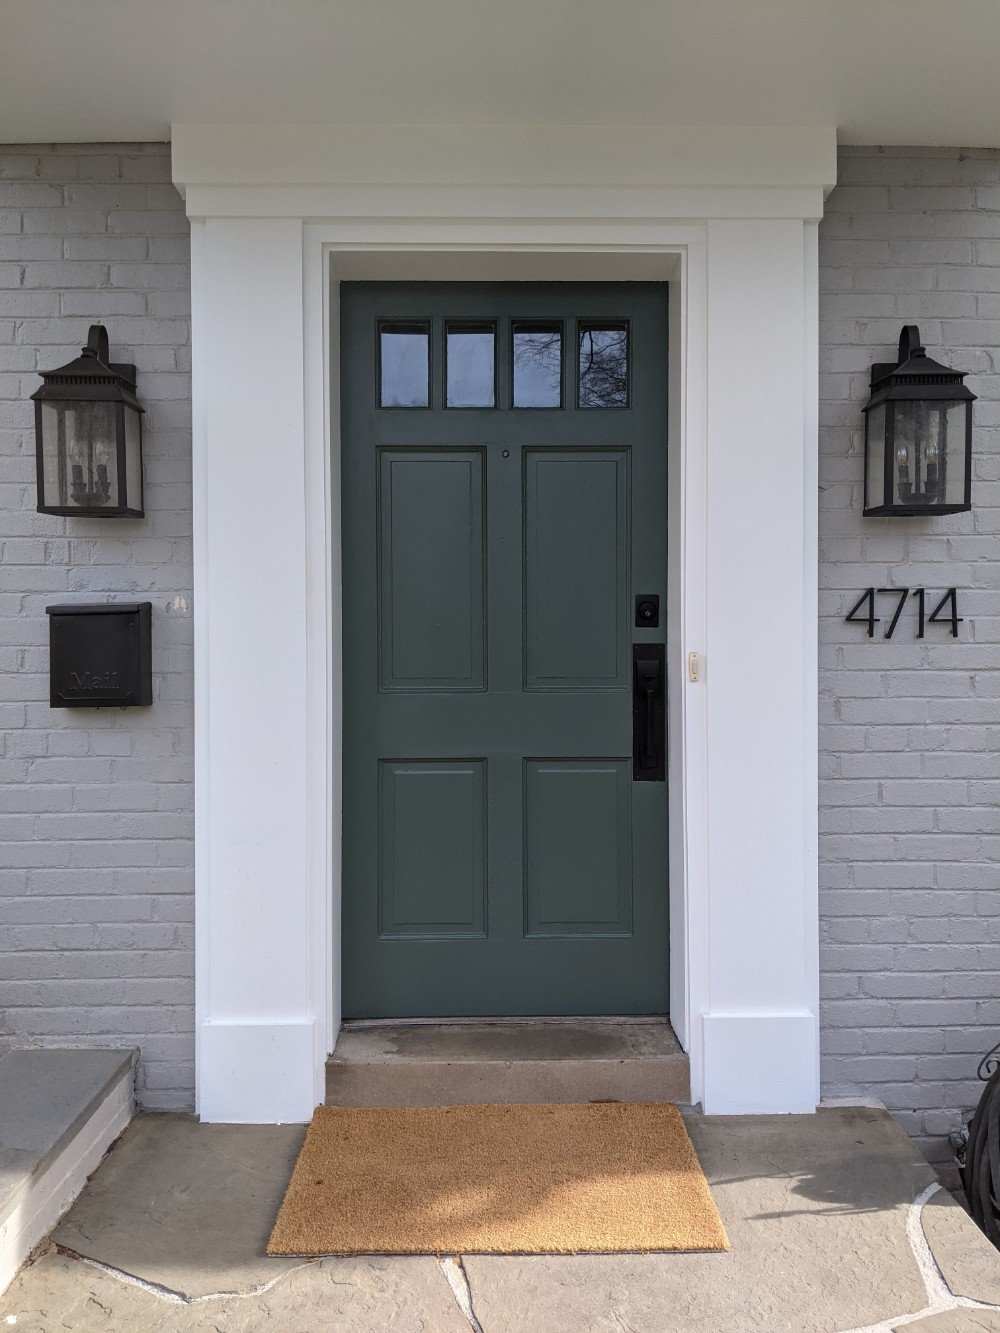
pixel 896 72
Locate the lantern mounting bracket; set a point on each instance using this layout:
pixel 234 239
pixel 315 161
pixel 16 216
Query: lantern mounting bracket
pixel 881 370
pixel 98 349
pixel 97 344
pixel 909 346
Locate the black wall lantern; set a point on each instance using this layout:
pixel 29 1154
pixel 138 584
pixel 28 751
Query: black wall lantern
pixel 88 436
pixel 918 435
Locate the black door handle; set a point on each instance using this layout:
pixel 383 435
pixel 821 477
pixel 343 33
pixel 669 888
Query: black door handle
pixel 648 713
pixel 647 755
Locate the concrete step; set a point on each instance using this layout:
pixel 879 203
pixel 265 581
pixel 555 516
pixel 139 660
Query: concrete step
pixel 506 1060
pixel 60 1111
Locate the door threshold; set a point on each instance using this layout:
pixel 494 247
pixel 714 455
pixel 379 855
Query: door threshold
pixel 522 1020
pixel 515 1060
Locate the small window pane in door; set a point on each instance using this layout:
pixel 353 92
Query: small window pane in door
pixel 537 365
pixel 603 365
pixel 470 358
pixel 404 365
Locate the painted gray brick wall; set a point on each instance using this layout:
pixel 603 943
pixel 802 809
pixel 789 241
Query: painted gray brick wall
pixel 96 852
pixel 910 730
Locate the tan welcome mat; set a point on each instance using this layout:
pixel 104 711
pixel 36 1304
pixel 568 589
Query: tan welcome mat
pixel 598 1178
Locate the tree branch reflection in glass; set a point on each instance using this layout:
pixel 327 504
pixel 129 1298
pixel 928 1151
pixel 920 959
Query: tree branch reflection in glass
pixel 603 365
pixel 537 365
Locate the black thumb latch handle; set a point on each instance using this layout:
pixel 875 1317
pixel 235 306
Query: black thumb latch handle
pixel 647 756
pixel 648 712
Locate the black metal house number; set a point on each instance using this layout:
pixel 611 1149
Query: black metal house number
pixel 946 611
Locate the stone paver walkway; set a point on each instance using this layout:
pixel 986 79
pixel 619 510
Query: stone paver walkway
pixel 836 1223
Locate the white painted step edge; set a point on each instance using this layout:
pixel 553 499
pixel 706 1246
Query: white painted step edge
pixel 53 1189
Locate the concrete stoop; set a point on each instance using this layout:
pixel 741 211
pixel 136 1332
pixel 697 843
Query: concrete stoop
pixel 60 1111
pixel 506 1060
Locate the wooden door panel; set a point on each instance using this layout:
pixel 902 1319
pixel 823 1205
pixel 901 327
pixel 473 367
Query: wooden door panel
pixel 432 832
pixel 576 569
pixel 431 569
pixel 578 847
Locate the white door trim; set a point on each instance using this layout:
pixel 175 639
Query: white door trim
pixel 743 524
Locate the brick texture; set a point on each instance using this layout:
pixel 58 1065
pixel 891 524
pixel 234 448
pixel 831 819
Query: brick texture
pixel 910 729
pixel 96 852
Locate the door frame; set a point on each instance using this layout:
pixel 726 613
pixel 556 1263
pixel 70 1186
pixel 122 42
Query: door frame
pixel 679 261
pixel 729 218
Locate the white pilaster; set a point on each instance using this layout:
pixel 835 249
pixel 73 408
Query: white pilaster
pixel 761 1012
pixel 255 1021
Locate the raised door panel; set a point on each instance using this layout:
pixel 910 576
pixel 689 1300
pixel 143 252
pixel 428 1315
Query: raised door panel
pixel 432 864
pixel 431 568
pixel 576 569
pixel 578 847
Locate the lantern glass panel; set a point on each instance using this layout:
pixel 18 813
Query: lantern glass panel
pixel 133 459
pixel 875 455
pixel 80 455
pixel 928 465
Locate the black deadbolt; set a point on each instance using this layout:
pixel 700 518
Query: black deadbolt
pixel 647 611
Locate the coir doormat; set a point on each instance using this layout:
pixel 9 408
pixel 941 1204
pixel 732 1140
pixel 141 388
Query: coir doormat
pixel 597 1178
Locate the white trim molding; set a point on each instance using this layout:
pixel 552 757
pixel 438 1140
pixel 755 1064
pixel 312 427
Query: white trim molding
pixel 280 216
pixel 394 158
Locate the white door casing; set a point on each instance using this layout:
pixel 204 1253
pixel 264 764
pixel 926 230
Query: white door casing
pixel 279 216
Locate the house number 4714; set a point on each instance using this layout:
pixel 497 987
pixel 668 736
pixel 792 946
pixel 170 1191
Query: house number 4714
pixel 946 611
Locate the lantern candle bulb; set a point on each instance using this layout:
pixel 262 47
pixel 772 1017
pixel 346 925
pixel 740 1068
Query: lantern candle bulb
pixel 903 461
pixel 931 457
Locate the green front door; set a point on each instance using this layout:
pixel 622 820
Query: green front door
pixel 504 506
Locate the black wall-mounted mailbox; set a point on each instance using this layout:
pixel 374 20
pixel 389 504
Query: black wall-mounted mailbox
pixel 100 656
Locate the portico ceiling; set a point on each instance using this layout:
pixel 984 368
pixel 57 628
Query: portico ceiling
pixel 881 71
